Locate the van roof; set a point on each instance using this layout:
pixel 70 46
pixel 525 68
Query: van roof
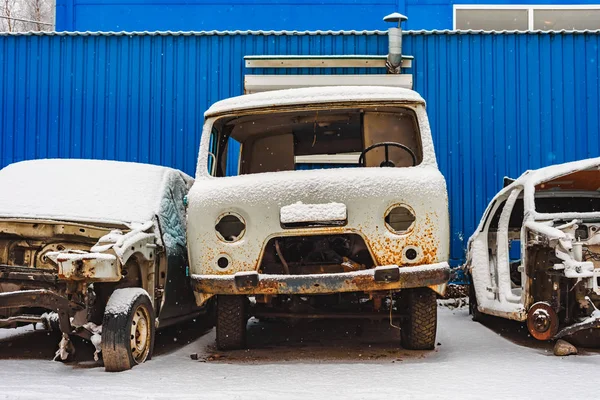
pixel 314 95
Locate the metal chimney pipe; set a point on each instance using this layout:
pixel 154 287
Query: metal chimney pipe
pixel 394 58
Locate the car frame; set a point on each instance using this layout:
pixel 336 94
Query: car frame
pixel 551 216
pixel 95 249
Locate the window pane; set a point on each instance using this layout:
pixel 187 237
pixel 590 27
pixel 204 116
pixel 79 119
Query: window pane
pixel 492 20
pixel 566 19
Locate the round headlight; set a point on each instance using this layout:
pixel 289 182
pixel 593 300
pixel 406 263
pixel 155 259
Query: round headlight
pixel 399 219
pixel 230 227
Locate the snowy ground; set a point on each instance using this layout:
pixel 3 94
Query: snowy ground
pixel 330 359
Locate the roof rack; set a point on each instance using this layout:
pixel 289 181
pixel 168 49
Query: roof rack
pixel 320 61
pixel 393 63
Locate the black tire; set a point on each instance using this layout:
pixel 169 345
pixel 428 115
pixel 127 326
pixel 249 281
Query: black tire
pixel 475 313
pixel 231 322
pixel 128 329
pixel 417 331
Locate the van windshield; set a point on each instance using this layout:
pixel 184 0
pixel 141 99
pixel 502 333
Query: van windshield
pixel 331 138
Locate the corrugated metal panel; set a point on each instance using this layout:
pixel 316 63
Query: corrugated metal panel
pixel 498 103
pixel 299 33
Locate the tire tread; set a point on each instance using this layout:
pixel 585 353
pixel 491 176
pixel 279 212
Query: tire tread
pixel 419 330
pixel 231 322
pixel 116 353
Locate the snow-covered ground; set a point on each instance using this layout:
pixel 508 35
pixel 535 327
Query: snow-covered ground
pixel 327 359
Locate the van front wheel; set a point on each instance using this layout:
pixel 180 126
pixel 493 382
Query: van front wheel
pixel 417 331
pixel 231 322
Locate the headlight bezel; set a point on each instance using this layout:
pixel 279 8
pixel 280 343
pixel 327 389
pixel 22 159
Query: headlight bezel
pixel 228 221
pixel 400 227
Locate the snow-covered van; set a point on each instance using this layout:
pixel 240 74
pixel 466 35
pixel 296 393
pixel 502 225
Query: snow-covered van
pixel 535 256
pixel 95 249
pixel 336 209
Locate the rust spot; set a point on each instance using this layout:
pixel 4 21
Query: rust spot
pixel 309 284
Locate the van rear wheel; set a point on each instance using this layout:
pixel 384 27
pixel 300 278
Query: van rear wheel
pixel 417 331
pixel 231 322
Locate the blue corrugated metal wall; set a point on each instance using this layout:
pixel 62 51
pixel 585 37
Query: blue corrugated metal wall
pixel 498 103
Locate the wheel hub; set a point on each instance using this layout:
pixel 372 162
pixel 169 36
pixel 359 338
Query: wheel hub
pixel 542 321
pixel 140 334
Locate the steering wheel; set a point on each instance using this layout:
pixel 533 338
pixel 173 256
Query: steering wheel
pixel 387 162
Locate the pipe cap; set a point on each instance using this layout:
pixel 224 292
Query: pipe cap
pixel 395 17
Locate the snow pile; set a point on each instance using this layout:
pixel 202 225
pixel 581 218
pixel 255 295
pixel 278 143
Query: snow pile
pixel 300 212
pixel 120 300
pixel 314 95
pixel 84 190
pixel 473 361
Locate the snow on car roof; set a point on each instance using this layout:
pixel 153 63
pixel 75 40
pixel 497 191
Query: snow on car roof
pixel 91 191
pixel 536 176
pixel 313 95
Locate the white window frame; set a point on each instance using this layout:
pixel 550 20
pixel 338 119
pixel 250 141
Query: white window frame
pixel 529 7
pixel 344 158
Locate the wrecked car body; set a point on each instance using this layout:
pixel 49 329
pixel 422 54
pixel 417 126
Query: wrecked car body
pixel 95 249
pixel 535 256
pixel 301 238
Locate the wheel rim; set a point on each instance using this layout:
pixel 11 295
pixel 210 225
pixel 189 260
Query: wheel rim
pixel 140 334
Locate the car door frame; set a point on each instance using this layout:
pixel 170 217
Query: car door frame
pixel 492 283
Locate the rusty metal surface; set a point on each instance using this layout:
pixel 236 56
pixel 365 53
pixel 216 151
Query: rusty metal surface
pixel 12 273
pixel 41 298
pixel 90 267
pixel 40 228
pixel 520 315
pixel 428 236
pixel 359 281
pixel 32 319
pixel 542 321
pixel 590 323
pixel 342 315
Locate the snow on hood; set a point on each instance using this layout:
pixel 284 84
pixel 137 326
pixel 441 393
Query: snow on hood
pixel 313 95
pixel 91 191
pixel 316 186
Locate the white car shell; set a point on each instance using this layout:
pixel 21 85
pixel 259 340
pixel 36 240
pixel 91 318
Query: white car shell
pixel 494 292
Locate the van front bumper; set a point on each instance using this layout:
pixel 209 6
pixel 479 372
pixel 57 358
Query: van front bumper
pixel 389 277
